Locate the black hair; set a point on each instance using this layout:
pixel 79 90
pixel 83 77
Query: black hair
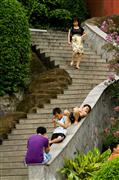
pixel 76 19
pixel 56 110
pixel 88 107
pixel 41 130
pixel 113 145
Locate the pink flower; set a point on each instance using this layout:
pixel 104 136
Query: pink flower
pixel 116 108
pixel 113 121
pixel 116 134
pixel 106 131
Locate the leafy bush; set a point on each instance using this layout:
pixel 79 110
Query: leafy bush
pixel 82 166
pixel 111 135
pixel 14 47
pixel 54 13
pixel 109 170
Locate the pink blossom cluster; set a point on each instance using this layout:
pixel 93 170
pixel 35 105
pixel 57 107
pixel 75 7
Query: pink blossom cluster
pixel 116 108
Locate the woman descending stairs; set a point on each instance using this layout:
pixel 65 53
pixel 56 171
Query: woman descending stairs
pixel 93 70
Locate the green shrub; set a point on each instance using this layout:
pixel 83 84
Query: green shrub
pixel 83 166
pixel 14 47
pixel 112 136
pixel 54 13
pixel 109 171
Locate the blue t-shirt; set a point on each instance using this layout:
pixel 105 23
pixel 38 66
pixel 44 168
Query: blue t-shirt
pixel 35 149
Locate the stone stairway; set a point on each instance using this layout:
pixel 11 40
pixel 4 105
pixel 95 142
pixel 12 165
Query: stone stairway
pixel 93 70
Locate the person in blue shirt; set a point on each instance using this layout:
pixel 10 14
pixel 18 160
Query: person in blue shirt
pixel 61 123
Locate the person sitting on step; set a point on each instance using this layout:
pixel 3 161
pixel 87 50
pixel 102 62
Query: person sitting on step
pixel 38 147
pixel 78 113
pixel 61 123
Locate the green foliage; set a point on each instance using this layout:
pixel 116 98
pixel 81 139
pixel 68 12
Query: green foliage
pixel 77 8
pixel 112 137
pixel 83 166
pixel 109 171
pixel 14 46
pixel 54 13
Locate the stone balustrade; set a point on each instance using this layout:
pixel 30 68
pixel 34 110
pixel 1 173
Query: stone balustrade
pixel 96 39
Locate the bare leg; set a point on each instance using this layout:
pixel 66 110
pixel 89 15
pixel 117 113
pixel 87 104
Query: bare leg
pixel 73 58
pixel 79 56
pixel 56 140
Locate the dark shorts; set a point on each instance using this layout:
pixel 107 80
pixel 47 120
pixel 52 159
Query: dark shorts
pixel 72 118
pixel 56 135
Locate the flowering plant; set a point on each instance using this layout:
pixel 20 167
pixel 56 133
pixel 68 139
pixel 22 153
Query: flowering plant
pixel 112 38
pixel 111 135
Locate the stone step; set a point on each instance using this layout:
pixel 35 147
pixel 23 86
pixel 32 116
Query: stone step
pixel 75 92
pixel 49 126
pixel 12 159
pixel 69 55
pixel 66 51
pixel 11 165
pixel 13 148
pixel 49 37
pixel 86 80
pixel 82 86
pixel 11 154
pixel 71 96
pixel 62 41
pixel 85 66
pixel 62 101
pixel 27 131
pixel 15 142
pixel 89 76
pixel 14 177
pixel 88 72
pixel 12 172
pixel 64 105
pixel 22 136
pixel 45 46
pixel 40 121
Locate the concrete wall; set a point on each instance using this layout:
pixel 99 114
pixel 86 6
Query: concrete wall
pixel 96 39
pixel 84 136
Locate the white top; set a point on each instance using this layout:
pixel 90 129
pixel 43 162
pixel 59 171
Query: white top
pixel 60 129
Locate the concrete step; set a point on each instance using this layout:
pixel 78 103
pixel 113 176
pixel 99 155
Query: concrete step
pixel 84 66
pixel 24 177
pixel 44 120
pixel 49 126
pixel 11 165
pixel 69 55
pixel 13 148
pixel 15 142
pixel 11 154
pixel 40 121
pixel 27 131
pixel 87 81
pixel 87 72
pixel 71 96
pixel 62 101
pixel 67 51
pixel 12 159
pixel 62 49
pixel 75 92
pixel 45 46
pixel 64 105
pixel 12 172
pixel 89 76
pixel 22 136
